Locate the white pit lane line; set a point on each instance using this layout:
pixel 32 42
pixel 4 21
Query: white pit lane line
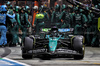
pixel 12 62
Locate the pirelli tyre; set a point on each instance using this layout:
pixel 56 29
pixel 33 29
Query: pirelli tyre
pixel 26 56
pixel 79 47
pixel 27 48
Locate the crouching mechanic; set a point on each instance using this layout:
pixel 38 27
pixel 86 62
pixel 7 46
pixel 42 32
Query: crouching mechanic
pixel 3 29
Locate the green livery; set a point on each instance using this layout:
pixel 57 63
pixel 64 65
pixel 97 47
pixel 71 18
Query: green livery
pixel 46 29
pixel 53 43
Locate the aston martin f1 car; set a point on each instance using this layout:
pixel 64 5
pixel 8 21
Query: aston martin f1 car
pixel 54 41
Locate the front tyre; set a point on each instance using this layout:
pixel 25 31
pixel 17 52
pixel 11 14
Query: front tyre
pixel 80 57
pixel 79 47
pixel 26 55
pixel 27 48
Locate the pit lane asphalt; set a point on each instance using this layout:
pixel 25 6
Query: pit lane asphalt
pixel 92 58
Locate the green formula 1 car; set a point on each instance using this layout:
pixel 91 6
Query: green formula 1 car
pixel 54 41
